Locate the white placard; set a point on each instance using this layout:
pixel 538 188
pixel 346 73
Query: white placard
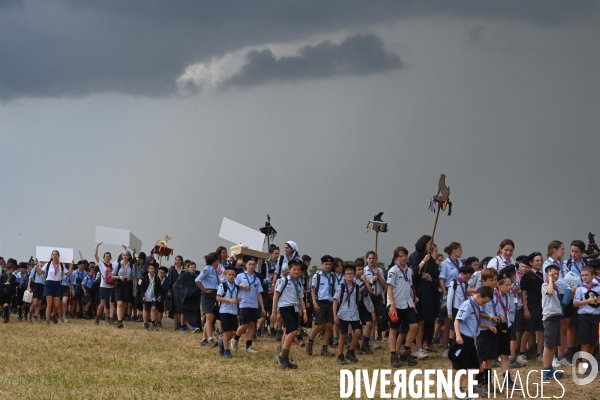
pixel 118 237
pixel 43 254
pixel 238 233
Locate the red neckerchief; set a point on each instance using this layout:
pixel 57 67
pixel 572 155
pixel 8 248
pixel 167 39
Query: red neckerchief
pixel 499 296
pixel 534 272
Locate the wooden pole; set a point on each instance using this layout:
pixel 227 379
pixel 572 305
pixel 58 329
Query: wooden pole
pixel 436 221
pixel 376 240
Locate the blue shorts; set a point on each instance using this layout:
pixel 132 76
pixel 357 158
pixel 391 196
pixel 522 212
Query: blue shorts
pixel 106 294
pixel 52 288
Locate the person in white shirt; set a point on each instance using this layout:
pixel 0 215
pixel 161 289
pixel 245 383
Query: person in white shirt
pixel 54 271
pixel 504 256
pixel 106 284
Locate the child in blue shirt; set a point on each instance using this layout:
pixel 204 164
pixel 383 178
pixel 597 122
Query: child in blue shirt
pixel 587 298
pixel 466 327
pixel 87 285
pixel 228 296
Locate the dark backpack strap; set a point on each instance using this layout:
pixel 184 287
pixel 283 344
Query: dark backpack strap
pixel 342 291
pixel 318 286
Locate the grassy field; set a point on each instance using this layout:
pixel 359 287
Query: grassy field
pixel 79 360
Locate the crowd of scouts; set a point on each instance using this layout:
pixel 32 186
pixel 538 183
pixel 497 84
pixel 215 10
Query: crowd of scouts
pixel 495 312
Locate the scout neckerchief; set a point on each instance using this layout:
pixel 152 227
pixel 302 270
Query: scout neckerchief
pixel 404 273
pixel 56 268
pixel 230 289
pixel 296 285
pixel 503 260
pixel 216 273
pixel 329 278
pixel 349 292
pixel 558 263
pixel 503 304
pixel 534 273
pixel 462 287
pixel 456 264
pixel 338 280
pixel 577 268
pixel 476 310
pixel 125 267
pixel 590 287
pixel 250 283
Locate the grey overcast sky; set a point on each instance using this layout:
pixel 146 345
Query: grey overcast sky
pixel 165 117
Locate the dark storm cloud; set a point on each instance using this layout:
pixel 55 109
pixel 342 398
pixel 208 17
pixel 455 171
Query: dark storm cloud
pixel 74 48
pixel 357 55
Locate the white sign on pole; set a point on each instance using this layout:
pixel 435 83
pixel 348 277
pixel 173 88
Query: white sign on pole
pixel 43 254
pixel 238 233
pixel 118 237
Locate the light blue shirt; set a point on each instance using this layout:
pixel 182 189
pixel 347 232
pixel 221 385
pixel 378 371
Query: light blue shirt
pixel 449 271
pixel 580 296
pixel 148 294
pixel 232 293
pixel 348 309
pixel 209 278
pixel 467 315
pixel 456 296
pixel 88 282
pixel 249 297
pixel 401 281
pixel 37 278
pixel 67 280
pixel 130 273
pixel 489 309
pixel 291 293
pixel 551 306
pixel 326 287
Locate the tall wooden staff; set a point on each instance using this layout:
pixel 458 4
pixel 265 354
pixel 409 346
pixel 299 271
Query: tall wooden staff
pixel 440 201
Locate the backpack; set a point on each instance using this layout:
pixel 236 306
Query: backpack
pixel 62 269
pixel 343 288
pixel 78 282
pixel 108 279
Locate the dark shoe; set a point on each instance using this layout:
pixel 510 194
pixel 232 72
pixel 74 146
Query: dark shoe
pixel 146 327
pixel 278 335
pixel 395 361
pixel 111 321
pixel 97 321
pixel 351 356
pixel 309 347
pixel 411 361
pixel 55 319
pixel 325 352
pixel 366 348
pixel 402 355
pixel 341 360
pixel 283 362
pixel 119 324
pixel 176 326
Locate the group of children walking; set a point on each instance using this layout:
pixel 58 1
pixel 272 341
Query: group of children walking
pixel 499 312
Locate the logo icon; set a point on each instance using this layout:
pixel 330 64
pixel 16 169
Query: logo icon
pixel 591 363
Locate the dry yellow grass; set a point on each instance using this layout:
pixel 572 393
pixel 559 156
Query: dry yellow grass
pixel 79 360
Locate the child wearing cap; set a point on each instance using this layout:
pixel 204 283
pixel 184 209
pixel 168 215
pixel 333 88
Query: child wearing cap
pixel 322 290
pixel 487 341
pixel 573 264
pixel 467 328
pixel 228 296
pixel 338 274
pixel 366 308
pixel 164 291
pixel 250 293
pixel 587 300
pixel 551 315
pixel 400 297
pixel 347 297
pixel 287 302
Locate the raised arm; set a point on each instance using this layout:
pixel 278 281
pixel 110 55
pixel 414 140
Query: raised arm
pixel 96 252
